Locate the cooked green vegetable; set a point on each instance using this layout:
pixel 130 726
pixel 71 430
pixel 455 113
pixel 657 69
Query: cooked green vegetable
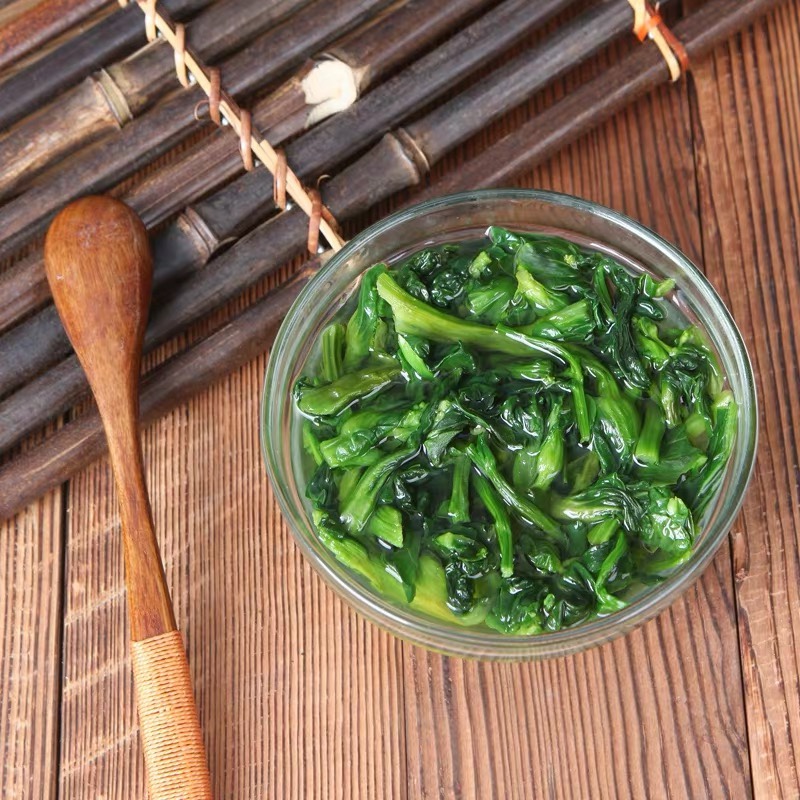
pixel 513 432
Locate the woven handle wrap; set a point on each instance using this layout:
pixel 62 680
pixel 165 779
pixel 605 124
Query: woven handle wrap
pixel 170 729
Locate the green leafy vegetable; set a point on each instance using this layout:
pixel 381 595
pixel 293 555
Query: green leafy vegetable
pixel 513 433
pixel 483 458
pixel 502 523
pixel 550 460
pixel 355 512
pixel 332 352
pixel 363 325
pixel 387 524
pixel 320 401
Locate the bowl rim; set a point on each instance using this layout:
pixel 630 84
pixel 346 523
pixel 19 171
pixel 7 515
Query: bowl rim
pixel 465 641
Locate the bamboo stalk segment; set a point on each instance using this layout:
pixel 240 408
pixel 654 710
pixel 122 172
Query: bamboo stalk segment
pixel 221 29
pixel 23 288
pixel 582 109
pixel 189 242
pixel 392 37
pixel 336 78
pixel 112 97
pixel 286 112
pixel 145 138
pixel 222 108
pixel 111 38
pixel 515 81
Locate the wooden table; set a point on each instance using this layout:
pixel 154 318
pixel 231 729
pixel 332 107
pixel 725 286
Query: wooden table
pixel 300 698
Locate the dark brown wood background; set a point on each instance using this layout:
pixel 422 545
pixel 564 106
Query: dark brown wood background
pixel 300 698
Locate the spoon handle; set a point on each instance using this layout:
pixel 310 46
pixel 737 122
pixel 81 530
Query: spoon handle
pixel 169 726
pixel 172 741
pixel 174 756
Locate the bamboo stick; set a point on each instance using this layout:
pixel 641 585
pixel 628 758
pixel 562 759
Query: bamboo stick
pixel 111 38
pixel 525 74
pixel 40 24
pixel 239 205
pixel 74 446
pixel 23 288
pixel 187 244
pixel 516 80
pixel 410 26
pixel 109 99
pixel 145 138
pixel 327 84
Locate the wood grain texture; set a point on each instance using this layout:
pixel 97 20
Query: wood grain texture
pixel 747 113
pixel 31 564
pixel 300 698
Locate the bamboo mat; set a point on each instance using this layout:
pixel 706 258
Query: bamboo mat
pixel 300 698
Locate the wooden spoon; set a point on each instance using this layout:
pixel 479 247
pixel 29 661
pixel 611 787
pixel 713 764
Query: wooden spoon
pixel 99 267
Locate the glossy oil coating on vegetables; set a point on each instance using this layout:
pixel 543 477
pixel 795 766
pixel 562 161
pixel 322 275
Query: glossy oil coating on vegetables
pixel 512 433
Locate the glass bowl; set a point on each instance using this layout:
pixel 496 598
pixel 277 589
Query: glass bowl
pixel 466 216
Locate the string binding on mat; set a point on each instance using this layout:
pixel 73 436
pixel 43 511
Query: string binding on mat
pixel 648 24
pixel 224 110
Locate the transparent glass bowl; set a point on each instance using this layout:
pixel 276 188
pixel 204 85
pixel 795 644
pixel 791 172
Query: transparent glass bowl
pixel 466 216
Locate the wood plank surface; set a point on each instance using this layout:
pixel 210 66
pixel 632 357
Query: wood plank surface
pixel 301 698
pixel 297 695
pixel 746 133
pixel 31 567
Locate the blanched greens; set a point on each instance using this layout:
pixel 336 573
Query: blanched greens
pixel 512 432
